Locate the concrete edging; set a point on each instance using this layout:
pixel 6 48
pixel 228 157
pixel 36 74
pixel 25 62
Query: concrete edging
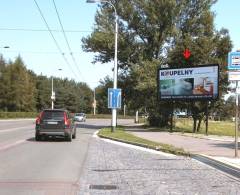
pixel 227 168
pixel 234 171
pixel 140 144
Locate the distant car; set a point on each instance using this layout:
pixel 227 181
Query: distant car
pixel 55 122
pixel 180 114
pixel 80 117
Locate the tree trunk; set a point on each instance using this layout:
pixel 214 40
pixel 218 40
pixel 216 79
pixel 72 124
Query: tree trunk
pixel 194 125
pixel 199 124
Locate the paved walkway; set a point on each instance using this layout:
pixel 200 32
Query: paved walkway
pixel 113 168
pixel 221 148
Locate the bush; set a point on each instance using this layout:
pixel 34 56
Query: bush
pixel 158 120
pixel 6 115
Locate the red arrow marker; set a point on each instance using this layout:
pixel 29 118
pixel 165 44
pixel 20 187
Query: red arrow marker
pixel 186 53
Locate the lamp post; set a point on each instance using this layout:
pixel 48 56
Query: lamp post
pixel 53 97
pixel 5 47
pixel 94 102
pixel 115 70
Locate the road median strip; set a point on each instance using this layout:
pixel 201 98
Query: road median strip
pixel 122 136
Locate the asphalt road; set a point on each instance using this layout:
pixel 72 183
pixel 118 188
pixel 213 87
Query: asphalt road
pixel 46 167
pixel 89 165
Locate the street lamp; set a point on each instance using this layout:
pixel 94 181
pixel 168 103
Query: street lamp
pixel 5 47
pixel 53 97
pixel 115 74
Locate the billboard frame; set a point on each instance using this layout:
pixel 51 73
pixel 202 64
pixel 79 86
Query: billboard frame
pixel 188 99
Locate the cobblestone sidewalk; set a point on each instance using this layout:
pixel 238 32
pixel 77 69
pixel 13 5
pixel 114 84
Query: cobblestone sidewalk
pixel 127 171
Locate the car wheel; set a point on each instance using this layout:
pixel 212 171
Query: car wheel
pixel 69 137
pixel 37 137
pixel 74 135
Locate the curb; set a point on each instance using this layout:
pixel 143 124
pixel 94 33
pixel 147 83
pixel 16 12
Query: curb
pixel 206 138
pixel 143 145
pixel 227 168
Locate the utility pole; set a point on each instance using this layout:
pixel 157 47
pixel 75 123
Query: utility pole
pixel 53 95
pixel 94 102
pixel 236 122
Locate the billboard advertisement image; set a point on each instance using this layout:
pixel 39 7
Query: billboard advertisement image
pixel 199 82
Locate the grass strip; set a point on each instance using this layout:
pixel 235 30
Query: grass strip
pixel 184 125
pixel 121 135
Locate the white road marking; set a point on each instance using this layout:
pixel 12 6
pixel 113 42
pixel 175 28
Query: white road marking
pixel 4 147
pixel 16 128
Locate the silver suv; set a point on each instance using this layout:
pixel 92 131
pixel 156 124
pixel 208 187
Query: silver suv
pixel 80 117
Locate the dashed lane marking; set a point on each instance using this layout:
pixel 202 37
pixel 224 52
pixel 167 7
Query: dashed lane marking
pixel 7 146
pixel 16 128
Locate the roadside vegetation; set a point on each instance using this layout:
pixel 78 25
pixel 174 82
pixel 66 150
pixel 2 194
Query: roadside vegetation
pixel 14 115
pixel 121 135
pixel 109 116
pixel 148 39
pixel 21 90
pixel 185 125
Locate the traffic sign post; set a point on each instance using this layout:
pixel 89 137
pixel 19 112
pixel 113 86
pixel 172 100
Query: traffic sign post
pixel 114 98
pixel 234 74
pixel 234 61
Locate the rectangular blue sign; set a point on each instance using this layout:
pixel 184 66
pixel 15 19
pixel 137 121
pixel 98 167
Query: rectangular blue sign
pixel 234 61
pixel 114 98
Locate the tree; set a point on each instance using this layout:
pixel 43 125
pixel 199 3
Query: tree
pixel 157 32
pixel 2 84
pixel 144 27
pixel 43 87
pixel 102 95
pixel 206 45
pixel 18 93
pixel 22 90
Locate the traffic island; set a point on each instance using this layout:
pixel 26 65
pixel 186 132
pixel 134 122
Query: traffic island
pixel 121 135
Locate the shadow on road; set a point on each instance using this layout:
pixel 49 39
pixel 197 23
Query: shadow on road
pixel 47 139
pixel 230 145
pixel 87 126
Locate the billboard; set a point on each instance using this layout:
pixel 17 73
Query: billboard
pixel 200 82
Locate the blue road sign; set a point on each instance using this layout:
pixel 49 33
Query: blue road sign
pixel 114 98
pixel 234 61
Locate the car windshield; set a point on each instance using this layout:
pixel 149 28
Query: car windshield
pixel 80 114
pixel 53 115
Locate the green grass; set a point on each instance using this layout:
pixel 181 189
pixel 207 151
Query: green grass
pixel 121 135
pixel 185 125
pixel 222 128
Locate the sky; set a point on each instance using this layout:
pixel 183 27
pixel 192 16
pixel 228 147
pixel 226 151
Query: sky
pixel 40 53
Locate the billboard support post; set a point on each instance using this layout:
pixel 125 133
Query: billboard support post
pixel 172 110
pixel 207 118
pixel 236 123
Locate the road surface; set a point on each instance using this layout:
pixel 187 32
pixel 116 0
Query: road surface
pixel 89 165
